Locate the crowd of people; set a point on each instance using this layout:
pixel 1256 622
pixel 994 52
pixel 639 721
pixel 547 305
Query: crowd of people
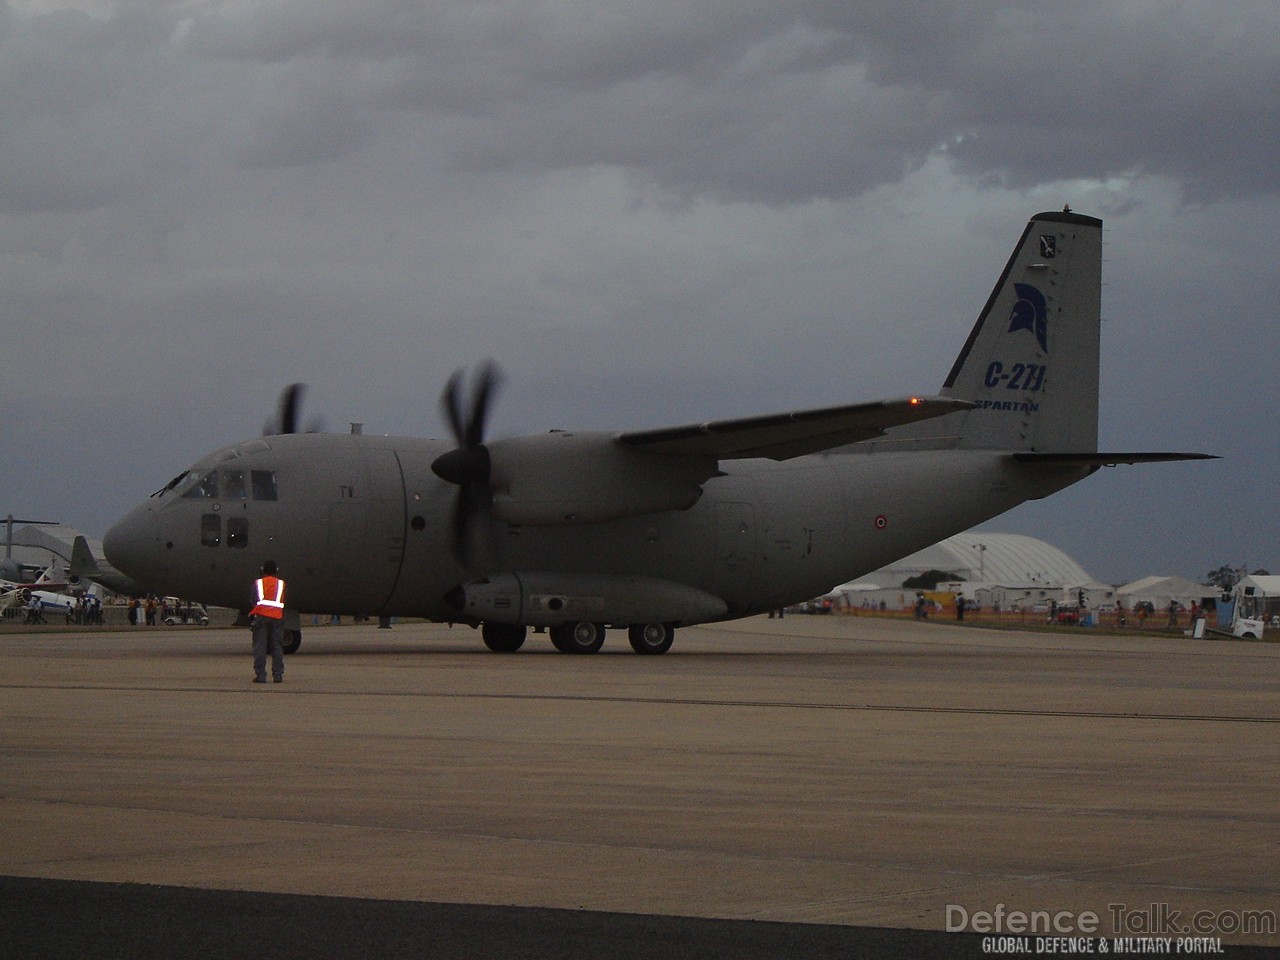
pixel 34 610
pixel 87 610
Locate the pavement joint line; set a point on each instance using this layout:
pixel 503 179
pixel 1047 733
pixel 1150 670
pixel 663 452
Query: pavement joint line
pixel 670 701
pixel 668 850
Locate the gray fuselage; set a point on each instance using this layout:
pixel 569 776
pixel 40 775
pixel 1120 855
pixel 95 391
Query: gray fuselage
pixel 360 525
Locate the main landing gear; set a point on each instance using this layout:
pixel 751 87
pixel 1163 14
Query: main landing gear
pixel 651 638
pixel 580 636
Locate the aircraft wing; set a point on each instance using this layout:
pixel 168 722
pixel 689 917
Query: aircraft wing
pixel 781 436
pixel 1107 459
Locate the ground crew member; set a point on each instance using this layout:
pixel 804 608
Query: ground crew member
pixel 267 618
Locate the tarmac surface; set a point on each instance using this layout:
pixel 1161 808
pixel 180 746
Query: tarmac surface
pixel 807 787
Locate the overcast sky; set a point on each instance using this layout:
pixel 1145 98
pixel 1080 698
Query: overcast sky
pixel 650 213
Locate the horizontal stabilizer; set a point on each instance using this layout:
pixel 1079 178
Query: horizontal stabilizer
pixel 1106 459
pixel 781 436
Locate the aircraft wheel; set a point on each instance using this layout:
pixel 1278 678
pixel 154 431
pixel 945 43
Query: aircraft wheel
pixel 651 638
pixel 581 636
pixel 502 637
pixel 292 641
pixel 560 637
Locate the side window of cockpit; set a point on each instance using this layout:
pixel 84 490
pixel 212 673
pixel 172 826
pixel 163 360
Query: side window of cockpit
pixel 205 489
pixel 264 484
pixel 233 485
pixel 237 532
pixel 210 529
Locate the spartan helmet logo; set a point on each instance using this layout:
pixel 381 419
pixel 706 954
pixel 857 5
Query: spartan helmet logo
pixel 1030 313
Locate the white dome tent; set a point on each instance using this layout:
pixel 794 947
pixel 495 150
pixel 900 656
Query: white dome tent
pixel 992 569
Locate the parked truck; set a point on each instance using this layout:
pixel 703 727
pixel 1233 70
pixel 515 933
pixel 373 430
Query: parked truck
pixel 1254 607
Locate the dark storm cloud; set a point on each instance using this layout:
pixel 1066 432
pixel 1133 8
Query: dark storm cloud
pixel 780 102
pixel 67 142
pixel 785 102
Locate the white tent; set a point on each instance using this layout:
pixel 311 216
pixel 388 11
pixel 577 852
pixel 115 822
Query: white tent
pixel 1161 591
pixel 993 558
pixel 1263 583
pixel 994 569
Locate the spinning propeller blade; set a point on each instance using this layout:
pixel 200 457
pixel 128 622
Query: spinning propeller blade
pixel 288 413
pixel 468 466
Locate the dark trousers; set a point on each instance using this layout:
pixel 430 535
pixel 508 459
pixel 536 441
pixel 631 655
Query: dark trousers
pixel 268 636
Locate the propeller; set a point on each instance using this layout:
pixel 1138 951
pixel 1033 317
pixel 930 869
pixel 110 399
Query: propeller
pixel 468 466
pixel 288 412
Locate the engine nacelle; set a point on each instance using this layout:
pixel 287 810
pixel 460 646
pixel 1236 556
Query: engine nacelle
pixel 562 478
pixel 549 599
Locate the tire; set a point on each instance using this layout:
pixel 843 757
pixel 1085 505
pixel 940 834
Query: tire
pixel 558 635
pixel 651 639
pixel 292 641
pixel 503 637
pixel 580 636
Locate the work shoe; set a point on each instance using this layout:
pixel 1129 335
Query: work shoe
pixel 259 679
pixel 277 679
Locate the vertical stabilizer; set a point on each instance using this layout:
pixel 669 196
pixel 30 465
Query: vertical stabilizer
pixel 1031 360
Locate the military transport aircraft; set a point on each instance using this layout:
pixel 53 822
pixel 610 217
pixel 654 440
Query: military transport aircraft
pixel 654 529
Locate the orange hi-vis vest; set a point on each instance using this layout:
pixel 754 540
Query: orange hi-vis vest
pixel 270 597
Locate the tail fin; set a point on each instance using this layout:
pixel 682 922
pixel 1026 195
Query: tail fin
pixel 82 562
pixel 1031 361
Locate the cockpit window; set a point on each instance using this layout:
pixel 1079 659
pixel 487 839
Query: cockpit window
pixel 264 484
pixel 206 488
pixel 223 484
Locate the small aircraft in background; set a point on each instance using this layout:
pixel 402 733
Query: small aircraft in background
pixel 13 571
pixel 647 530
pixel 55 596
pixel 44 581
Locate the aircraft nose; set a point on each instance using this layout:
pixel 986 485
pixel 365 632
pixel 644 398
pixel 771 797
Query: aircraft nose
pixel 132 545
